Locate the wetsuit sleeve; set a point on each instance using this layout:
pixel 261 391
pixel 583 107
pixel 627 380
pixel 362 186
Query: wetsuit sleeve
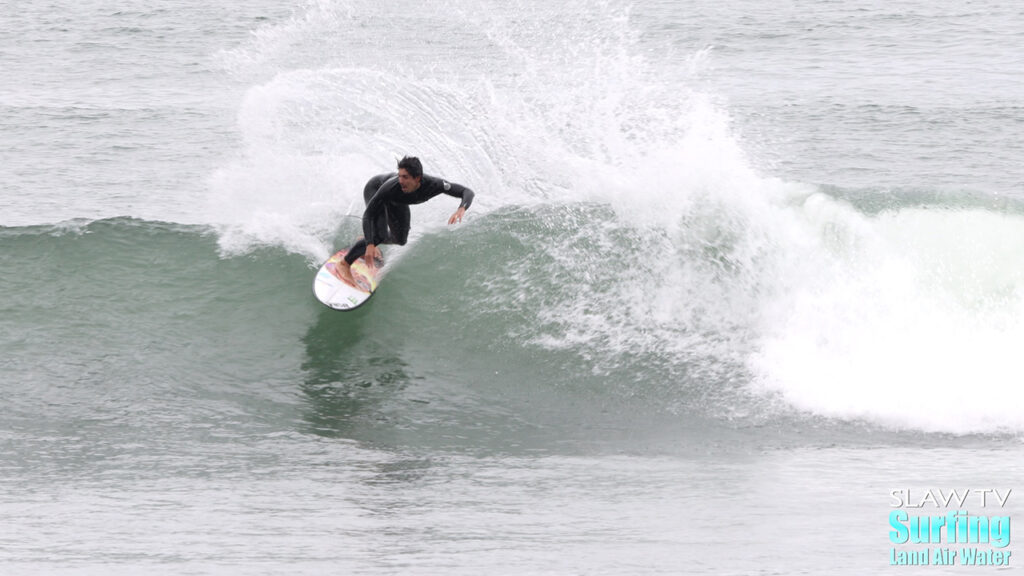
pixel 374 208
pixel 459 191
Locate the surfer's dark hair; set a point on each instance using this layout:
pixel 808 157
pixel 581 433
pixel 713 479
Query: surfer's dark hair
pixel 412 166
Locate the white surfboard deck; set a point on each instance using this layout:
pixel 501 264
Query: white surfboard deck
pixel 335 293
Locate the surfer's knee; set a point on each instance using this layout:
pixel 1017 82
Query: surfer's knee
pixel 400 236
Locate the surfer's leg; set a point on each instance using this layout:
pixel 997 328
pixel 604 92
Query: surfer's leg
pixel 398 224
pixel 380 230
pixel 391 228
pixel 356 251
pixel 382 233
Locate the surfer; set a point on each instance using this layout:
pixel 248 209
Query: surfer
pixel 387 219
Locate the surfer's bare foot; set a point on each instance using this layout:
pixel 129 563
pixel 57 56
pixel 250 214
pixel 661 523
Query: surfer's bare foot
pixel 343 272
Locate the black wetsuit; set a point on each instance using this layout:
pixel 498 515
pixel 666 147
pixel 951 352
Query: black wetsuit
pixel 386 219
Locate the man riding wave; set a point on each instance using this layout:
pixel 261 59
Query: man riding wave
pixel 386 219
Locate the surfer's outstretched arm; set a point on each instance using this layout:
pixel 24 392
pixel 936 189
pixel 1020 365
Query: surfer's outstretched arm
pixel 459 191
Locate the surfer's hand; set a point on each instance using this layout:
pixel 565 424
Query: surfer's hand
pixel 457 217
pixel 372 253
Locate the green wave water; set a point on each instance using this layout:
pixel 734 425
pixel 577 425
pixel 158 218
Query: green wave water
pixel 137 332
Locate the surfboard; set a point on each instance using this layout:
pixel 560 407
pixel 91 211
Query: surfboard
pixel 335 293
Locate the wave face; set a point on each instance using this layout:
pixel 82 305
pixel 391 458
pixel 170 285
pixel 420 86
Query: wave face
pixel 521 318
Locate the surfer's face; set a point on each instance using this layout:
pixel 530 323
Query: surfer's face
pixel 406 181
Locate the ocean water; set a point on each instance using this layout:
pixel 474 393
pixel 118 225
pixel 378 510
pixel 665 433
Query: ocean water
pixel 741 280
